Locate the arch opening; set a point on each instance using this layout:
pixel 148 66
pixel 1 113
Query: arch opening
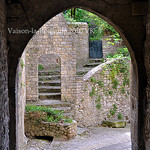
pixel 133 62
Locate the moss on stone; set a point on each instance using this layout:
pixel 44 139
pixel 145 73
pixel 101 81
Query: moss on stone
pixel 114 123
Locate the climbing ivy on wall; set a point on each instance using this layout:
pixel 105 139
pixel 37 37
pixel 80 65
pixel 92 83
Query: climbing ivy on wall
pixel 114 78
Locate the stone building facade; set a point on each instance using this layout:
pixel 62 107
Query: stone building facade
pixel 56 38
pixel 80 36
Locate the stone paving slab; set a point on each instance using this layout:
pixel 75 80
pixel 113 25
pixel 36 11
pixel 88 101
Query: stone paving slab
pixel 119 146
pixel 92 138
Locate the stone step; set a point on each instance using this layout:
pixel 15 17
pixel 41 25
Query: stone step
pixel 47 73
pixel 49 89
pixel 81 72
pixel 48 78
pixel 92 65
pixel 43 96
pixel 52 103
pixel 96 60
pixel 49 83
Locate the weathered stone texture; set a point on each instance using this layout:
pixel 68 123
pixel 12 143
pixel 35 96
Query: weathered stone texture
pixel 4 103
pixel 80 35
pixel 147 64
pixel 85 111
pixel 49 61
pixel 109 46
pixel 21 100
pixel 61 131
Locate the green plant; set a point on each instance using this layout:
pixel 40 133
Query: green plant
pixel 122 90
pixel 93 80
pixel 98 106
pixel 97 26
pixel 120 116
pixel 47 114
pixel 101 83
pixel 69 120
pixel 40 67
pixel 110 93
pixel 112 111
pixel 22 84
pixel 20 74
pixel 115 83
pixel 82 100
pixel 98 99
pixel 22 63
pixel 92 93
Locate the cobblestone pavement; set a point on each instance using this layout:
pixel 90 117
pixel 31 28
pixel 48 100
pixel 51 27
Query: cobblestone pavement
pixel 92 138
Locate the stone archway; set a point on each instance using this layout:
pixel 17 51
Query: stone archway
pixel 118 14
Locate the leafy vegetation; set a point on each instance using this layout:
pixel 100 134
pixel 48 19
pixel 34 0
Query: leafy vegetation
pixel 117 76
pixel 120 117
pixel 40 67
pixel 121 52
pixel 97 26
pixel 112 111
pixel 22 63
pixel 47 114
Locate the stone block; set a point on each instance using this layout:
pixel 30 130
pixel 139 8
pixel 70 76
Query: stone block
pixel 114 123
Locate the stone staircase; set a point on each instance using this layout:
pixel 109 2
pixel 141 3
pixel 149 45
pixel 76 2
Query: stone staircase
pixel 50 92
pixel 92 63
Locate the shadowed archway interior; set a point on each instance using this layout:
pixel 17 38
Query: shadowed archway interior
pixel 124 16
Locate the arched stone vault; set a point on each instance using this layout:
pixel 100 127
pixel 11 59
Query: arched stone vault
pixel 120 14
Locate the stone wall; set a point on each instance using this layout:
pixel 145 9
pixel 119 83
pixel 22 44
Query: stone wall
pixel 61 131
pixel 92 109
pixel 80 34
pixel 4 102
pixel 147 64
pixel 56 39
pixel 65 41
pixel 21 100
pixel 49 61
pixel 109 46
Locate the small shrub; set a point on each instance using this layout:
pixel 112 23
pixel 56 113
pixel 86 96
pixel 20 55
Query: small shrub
pixel 69 120
pixel 99 106
pixel 115 107
pixel 120 117
pixel 20 74
pixel 22 63
pixel 91 94
pixel 110 93
pixel 98 99
pixel 100 83
pixel 47 114
pixel 112 112
pixel 93 80
pixel 40 67
pixel 115 83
